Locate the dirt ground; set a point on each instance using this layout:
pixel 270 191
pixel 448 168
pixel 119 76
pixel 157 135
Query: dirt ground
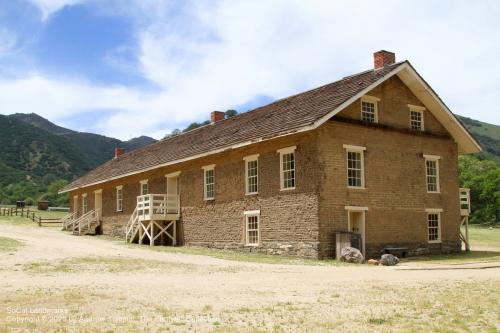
pixel 59 282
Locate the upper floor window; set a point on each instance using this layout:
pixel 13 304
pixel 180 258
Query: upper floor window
pixel 369 109
pixel 416 117
pixel 209 182
pixel 434 225
pixel 119 198
pixel 251 174
pixel 144 187
pixel 85 203
pixel 432 173
pixel 287 168
pixel 355 166
pixel 252 229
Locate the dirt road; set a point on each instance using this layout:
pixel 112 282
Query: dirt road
pixel 81 283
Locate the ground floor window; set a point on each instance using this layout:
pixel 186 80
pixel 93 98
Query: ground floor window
pixel 252 220
pixel 434 226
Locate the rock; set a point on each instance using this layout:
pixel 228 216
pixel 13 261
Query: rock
pixel 372 262
pixel 389 260
pixel 350 254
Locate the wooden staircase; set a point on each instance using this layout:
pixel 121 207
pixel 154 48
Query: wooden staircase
pixel 132 228
pixel 87 223
pixel 67 221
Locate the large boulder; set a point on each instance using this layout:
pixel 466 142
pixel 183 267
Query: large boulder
pixel 351 254
pixel 389 260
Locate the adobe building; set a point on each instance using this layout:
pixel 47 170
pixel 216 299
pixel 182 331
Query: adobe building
pixel 374 154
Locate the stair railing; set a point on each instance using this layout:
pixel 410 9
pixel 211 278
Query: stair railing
pixel 130 228
pixel 85 223
pixel 68 219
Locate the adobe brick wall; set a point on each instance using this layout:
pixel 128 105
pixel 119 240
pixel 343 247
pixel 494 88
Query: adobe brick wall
pixel 395 178
pixel 288 220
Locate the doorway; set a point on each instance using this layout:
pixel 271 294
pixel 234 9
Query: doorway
pixel 98 210
pixel 75 204
pixel 356 224
pixel 173 191
pixel 98 203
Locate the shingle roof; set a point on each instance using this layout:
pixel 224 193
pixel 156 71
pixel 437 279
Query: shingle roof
pixel 284 116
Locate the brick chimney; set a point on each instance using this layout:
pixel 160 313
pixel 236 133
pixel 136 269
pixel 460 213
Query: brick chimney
pixel 216 116
pixel 119 152
pixel 383 58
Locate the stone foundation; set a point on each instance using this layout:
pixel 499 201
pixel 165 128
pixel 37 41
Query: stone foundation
pixel 296 249
pixel 416 249
pixel 114 226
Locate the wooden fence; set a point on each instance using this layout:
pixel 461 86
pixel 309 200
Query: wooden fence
pixel 30 214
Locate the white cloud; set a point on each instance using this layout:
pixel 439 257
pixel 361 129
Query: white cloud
pixel 49 7
pixel 59 99
pixel 208 56
pixel 240 49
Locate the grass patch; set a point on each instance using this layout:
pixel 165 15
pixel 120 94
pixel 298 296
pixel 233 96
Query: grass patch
pixel 377 321
pixel 9 244
pixel 17 221
pixel 461 258
pixel 103 265
pixel 235 255
pixel 484 236
pixel 26 222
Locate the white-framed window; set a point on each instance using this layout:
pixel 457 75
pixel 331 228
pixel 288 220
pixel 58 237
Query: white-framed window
pixel 287 168
pixel 355 166
pixel 252 228
pixel 119 198
pixel 144 187
pixel 432 173
pixel 209 182
pixel 369 109
pixel 251 174
pixel 434 225
pixel 85 203
pixel 416 117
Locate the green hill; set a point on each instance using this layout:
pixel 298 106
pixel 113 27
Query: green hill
pixel 481 172
pixel 96 148
pixel 488 135
pixel 38 157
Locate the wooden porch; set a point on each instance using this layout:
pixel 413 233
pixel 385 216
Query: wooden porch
pixel 154 220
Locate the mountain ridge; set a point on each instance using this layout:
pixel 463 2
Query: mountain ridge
pixel 97 148
pixel 37 157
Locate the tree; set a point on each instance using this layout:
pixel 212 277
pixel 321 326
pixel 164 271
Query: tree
pixel 481 173
pixel 173 133
pixel 230 113
pixel 194 125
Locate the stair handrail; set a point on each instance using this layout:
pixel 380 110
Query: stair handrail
pixel 77 221
pixel 131 222
pixel 67 219
pixel 92 216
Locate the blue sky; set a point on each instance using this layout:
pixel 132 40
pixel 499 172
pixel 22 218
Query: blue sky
pixel 125 68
